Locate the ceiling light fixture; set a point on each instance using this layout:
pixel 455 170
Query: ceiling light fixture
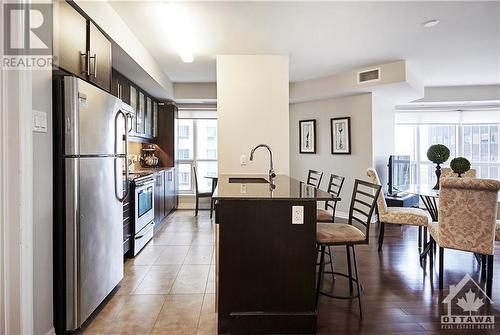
pixel 179 31
pixel 430 23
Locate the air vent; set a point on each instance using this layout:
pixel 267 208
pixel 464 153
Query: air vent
pixel 368 75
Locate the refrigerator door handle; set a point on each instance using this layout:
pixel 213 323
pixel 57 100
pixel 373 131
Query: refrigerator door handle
pixel 125 118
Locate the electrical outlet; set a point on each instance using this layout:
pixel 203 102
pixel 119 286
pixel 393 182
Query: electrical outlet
pixel 297 214
pixel 243 160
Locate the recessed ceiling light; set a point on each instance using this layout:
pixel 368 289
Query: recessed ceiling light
pixel 430 23
pixel 178 27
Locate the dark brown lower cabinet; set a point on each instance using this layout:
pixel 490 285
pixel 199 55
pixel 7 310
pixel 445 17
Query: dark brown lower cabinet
pixel 128 218
pixel 159 197
pixel 165 198
pixel 170 192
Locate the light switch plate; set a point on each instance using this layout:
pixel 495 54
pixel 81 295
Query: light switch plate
pixel 39 121
pixel 297 214
pixel 243 160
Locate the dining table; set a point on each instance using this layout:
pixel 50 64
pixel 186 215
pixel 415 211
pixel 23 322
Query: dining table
pixel 429 197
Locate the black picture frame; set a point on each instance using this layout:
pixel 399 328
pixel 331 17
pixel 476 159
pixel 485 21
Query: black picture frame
pixel 308 126
pixel 340 143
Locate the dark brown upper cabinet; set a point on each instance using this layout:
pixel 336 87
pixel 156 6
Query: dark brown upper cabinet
pixel 70 39
pixel 121 88
pixel 99 58
pixel 80 47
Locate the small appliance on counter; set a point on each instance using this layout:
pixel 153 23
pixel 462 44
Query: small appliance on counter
pixel 148 158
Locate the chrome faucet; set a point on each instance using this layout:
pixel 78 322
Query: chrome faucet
pixel 272 175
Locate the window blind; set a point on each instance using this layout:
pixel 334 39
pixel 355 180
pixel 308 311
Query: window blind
pixel 197 112
pixel 447 117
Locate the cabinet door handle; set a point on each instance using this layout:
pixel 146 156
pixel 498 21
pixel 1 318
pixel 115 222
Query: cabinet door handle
pixel 86 61
pixel 94 66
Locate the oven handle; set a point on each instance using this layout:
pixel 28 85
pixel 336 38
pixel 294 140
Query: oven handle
pixel 145 183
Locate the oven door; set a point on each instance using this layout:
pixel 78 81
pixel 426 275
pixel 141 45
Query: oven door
pixel 144 205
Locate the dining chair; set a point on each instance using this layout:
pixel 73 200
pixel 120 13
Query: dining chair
pixel 334 187
pixel 397 215
pixel 314 178
pixel 348 234
pixel 448 172
pixel 467 220
pixel 200 194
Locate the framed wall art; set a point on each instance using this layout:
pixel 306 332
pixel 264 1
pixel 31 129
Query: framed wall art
pixel 341 135
pixel 307 136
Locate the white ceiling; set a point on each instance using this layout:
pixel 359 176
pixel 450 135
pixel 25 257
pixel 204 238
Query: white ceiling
pixel 324 38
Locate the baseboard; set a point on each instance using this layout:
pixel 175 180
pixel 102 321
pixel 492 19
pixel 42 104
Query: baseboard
pixel 187 201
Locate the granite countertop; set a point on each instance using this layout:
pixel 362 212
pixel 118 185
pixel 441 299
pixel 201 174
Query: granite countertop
pixel 286 189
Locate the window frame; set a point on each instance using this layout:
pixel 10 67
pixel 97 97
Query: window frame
pixel 194 161
pixel 418 161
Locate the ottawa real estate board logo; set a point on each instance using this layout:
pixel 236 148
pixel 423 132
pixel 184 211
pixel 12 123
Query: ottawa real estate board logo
pixel 468 307
pixel 27 36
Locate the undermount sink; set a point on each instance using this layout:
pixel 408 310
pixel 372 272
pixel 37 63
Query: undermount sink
pixel 247 180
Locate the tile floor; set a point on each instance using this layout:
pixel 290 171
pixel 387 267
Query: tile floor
pixel 169 288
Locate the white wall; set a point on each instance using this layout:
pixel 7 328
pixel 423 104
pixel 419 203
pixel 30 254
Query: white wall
pixel 195 92
pixel 42 206
pixel 359 108
pixel 252 107
pixel 395 78
pixel 383 134
pixel 461 93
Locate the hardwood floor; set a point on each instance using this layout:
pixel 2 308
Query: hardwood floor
pixel 169 287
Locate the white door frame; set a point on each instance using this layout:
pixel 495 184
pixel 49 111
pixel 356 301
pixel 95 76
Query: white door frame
pixel 16 192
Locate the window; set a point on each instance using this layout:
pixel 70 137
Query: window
pixel 477 142
pixel 183 131
pixel 211 133
pixel 183 153
pixel 197 140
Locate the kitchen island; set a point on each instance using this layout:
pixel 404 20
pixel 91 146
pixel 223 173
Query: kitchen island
pixel 266 254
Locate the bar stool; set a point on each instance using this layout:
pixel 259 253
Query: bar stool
pixel 346 234
pixel 314 178
pixel 334 188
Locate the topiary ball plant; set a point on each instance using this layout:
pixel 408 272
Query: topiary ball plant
pixel 438 154
pixel 460 165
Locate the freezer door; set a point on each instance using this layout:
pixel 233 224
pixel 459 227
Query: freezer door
pixel 97 243
pixel 90 119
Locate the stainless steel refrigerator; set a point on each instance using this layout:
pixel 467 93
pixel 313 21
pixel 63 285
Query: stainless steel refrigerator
pixel 91 134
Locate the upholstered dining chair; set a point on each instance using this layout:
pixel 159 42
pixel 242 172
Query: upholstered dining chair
pixel 355 232
pixel 497 230
pixel 467 215
pixel 397 215
pixel 334 187
pixel 314 178
pixel 448 172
